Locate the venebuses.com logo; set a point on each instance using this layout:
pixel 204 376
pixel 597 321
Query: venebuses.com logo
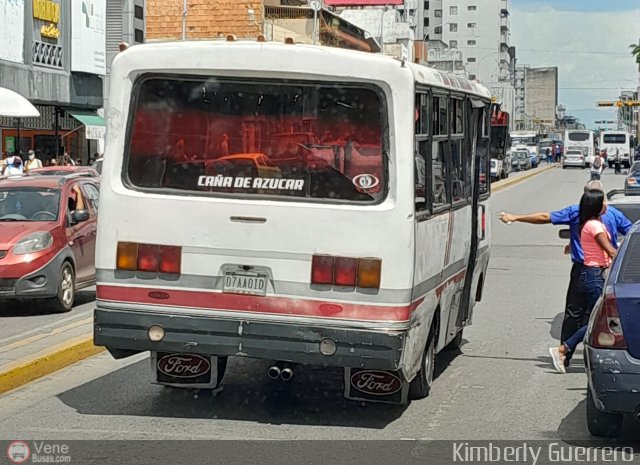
pixel 21 452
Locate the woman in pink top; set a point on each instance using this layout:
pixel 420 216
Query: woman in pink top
pixel 598 253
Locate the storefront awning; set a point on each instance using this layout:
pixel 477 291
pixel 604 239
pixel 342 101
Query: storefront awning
pixel 94 124
pixel 15 105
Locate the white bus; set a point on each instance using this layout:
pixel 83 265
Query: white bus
pixel 220 237
pixel 582 138
pixel 528 138
pixel 616 141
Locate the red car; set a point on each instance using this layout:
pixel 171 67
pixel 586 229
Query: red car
pixel 48 237
pixel 63 170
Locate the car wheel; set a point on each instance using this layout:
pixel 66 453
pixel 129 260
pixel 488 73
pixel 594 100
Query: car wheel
pixel 564 167
pixel 63 301
pixel 602 423
pixel 421 384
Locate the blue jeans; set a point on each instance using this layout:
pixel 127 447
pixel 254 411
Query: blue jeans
pixel 592 280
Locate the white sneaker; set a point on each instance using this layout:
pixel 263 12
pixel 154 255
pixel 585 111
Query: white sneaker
pixel 557 359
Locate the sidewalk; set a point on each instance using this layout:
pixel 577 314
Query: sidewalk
pixel 45 349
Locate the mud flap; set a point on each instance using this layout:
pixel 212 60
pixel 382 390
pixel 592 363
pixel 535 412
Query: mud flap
pixel 192 371
pixel 375 386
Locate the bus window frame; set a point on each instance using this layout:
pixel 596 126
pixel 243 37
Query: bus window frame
pixel 457 137
pixel 422 215
pixel 386 106
pixel 485 134
pixel 437 139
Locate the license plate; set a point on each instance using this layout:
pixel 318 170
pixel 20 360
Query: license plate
pixel 245 283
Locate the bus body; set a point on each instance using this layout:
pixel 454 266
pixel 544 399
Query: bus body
pixel 582 138
pixel 370 261
pixel 528 138
pixel 619 141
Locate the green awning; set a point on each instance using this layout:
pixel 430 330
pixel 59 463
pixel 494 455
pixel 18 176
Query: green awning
pixel 88 118
pixel 95 126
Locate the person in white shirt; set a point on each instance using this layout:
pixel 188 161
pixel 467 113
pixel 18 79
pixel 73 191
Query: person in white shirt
pixel 596 167
pixel 14 167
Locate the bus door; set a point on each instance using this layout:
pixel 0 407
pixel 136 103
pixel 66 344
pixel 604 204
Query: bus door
pixel 479 121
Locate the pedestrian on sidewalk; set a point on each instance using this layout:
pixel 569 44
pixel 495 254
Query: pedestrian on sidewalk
pixel 598 254
pixel 558 153
pixel 547 154
pixel 576 299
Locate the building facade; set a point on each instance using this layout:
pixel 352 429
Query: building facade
pixel 275 19
pixel 53 53
pixel 536 97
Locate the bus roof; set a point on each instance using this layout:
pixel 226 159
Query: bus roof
pixel 306 61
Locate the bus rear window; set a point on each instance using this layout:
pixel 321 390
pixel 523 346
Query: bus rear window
pixel 578 136
pixel 614 139
pixel 259 138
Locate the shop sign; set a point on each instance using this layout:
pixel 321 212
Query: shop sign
pixel 95 132
pixel 51 31
pixel 46 10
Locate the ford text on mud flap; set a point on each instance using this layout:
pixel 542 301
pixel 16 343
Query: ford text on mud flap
pixel 265 203
pixel 185 370
pixel 375 385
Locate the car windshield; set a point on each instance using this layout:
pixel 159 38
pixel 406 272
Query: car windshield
pixel 29 204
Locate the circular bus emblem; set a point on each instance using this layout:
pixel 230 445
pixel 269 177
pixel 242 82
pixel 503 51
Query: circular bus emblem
pixel 366 181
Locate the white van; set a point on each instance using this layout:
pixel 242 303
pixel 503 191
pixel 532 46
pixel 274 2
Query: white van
pixel 220 237
pixel 616 141
pixel 582 138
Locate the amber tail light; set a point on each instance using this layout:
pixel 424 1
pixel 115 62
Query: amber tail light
pixel 149 258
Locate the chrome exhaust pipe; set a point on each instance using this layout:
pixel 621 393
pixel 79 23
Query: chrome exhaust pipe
pixel 286 374
pixel 273 372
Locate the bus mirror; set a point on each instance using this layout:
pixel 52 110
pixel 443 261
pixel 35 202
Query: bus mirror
pixel 564 234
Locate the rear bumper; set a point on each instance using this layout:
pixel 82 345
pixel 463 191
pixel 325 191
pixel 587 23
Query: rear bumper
pixel 38 284
pixel 281 340
pixel 580 164
pixel 614 379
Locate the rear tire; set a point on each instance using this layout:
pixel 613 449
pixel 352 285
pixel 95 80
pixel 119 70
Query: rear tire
pixel 66 292
pixel 602 423
pixel 421 384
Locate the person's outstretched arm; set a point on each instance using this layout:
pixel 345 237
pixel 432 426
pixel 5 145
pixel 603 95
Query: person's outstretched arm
pixel 531 218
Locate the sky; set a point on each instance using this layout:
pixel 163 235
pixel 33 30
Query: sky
pixel 588 40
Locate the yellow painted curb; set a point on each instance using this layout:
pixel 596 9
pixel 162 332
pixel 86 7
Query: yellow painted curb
pixel 500 185
pixel 45 363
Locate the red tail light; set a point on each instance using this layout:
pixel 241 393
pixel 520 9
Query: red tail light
pixel 322 269
pixel 170 259
pixel 346 271
pixel 149 258
pixel 607 328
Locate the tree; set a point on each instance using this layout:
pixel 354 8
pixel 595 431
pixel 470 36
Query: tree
pixel 635 51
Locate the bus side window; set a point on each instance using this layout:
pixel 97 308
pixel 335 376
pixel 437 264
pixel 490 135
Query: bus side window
pixel 439 175
pixel 422 155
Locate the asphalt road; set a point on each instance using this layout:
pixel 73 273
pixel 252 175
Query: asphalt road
pixel 501 384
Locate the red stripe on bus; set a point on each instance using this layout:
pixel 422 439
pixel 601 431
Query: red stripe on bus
pixel 456 278
pixel 256 304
